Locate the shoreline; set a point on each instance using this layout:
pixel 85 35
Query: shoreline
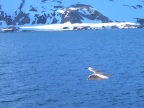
pixel 75 26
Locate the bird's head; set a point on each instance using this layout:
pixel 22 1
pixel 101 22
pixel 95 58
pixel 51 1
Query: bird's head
pixel 90 68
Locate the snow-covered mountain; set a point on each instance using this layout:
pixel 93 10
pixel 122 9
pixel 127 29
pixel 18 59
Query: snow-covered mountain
pixel 43 12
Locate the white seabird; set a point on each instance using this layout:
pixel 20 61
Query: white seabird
pixel 98 75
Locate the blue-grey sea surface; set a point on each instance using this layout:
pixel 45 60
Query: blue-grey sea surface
pixel 49 69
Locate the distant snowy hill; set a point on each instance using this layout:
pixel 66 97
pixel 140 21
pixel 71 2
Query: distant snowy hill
pixel 43 12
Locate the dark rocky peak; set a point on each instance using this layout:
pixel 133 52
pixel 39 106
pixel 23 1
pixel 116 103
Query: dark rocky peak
pixel 79 12
pixel 21 5
pixel 44 0
pixel 33 9
pixel 139 6
pixel 59 1
pixel 134 6
pixel 140 21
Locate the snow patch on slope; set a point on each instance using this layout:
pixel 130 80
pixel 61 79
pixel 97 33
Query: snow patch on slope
pixel 70 26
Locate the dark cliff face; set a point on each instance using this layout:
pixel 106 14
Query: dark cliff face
pixel 78 15
pixel 140 21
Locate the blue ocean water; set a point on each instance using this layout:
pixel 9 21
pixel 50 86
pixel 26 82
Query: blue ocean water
pixel 49 69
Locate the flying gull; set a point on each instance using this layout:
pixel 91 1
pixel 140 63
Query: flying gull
pixel 98 75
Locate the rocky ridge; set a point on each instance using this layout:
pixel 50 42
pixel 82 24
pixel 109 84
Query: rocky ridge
pixel 45 12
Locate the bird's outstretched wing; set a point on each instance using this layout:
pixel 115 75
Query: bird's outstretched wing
pixel 94 71
pixel 97 74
